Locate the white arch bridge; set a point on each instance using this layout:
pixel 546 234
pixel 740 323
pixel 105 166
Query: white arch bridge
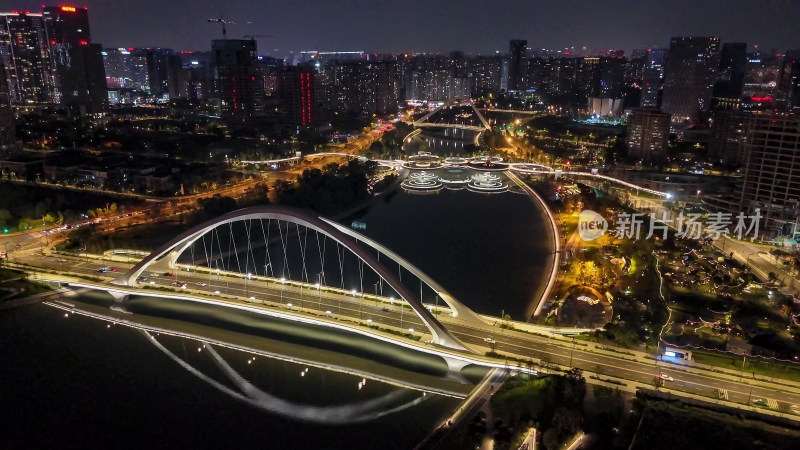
pixel 313 234
pixel 424 121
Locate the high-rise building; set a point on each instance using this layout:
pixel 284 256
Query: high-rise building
pixel 436 78
pixel 24 52
pixel 271 71
pixel 652 77
pixel 164 70
pixel 7 122
pixel 648 134
pixel 727 91
pixel 384 82
pixel 726 137
pixel 364 87
pixel 485 75
pixel 689 74
pixel 634 69
pixel 587 80
pixel 517 65
pixel 610 77
pixel 50 58
pixel 238 83
pixel 792 71
pixel 126 68
pixel 194 81
pixel 77 63
pixel 299 92
pixel 763 81
pixel 771 187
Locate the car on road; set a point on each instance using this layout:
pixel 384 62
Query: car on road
pixel 489 340
pixel 665 377
pixel 103 269
pixel 142 280
pixel 114 269
pixel 760 402
pixel 202 284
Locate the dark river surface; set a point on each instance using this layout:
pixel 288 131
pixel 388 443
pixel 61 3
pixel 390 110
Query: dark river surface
pixel 70 381
pixel 84 382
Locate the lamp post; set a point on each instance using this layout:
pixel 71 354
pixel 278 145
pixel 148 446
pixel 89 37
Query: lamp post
pixel 247 285
pixel 319 297
pixel 744 358
pixel 571 352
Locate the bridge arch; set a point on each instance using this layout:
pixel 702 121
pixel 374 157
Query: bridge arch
pixel 455 102
pixel 166 256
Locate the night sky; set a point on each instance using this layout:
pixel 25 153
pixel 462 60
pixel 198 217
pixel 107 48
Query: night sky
pixel 476 26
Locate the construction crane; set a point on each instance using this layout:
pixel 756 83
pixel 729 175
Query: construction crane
pixel 223 22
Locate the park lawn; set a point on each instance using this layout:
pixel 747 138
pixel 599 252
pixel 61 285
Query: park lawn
pixel 759 366
pixel 673 425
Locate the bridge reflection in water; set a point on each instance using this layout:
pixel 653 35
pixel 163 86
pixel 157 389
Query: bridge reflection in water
pixel 399 394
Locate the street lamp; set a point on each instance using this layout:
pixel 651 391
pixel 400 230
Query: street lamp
pixel 247 285
pixel 571 352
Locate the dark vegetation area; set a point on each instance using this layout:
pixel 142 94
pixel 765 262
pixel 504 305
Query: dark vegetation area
pixel 553 404
pixel 332 189
pixel 328 192
pixel 24 206
pixel 669 424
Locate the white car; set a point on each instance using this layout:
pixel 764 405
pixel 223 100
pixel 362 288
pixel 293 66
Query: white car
pixel 489 340
pixel 665 377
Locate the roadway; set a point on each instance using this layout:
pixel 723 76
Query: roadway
pixel 521 345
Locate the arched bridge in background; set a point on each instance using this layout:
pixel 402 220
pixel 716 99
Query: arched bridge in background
pixel 455 102
pixel 368 252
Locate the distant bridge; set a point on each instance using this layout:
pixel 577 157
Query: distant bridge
pixel 423 122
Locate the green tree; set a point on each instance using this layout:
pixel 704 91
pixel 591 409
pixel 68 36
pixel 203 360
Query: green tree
pixel 551 439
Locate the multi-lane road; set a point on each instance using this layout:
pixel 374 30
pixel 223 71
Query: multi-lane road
pixel 475 334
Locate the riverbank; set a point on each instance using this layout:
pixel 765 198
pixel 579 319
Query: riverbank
pixel 545 290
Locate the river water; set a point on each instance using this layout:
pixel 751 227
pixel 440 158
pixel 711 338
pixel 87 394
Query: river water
pixel 71 381
pixel 490 250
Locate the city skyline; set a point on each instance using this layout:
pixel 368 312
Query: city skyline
pixel 442 27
